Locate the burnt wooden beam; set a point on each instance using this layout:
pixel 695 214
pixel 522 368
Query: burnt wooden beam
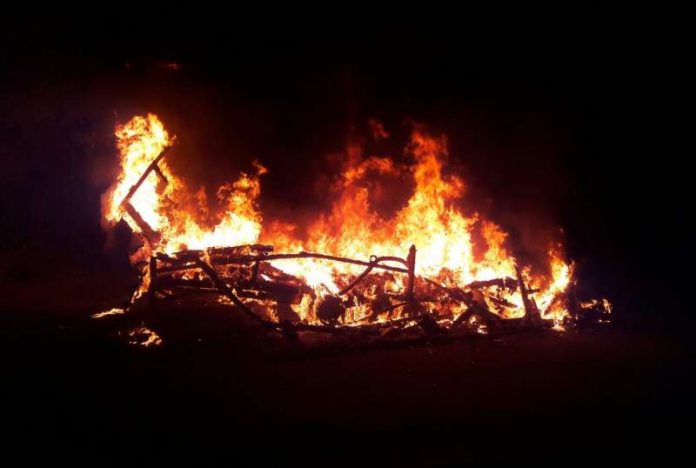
pixel 227 291
pixel 530 309
pixel 506 282
pixel 160 174
pixel 150 234
pixel 500 302
pixel 144 175
pixel 180 267
pixel 376 263
pixel 478 309
pixel 411 270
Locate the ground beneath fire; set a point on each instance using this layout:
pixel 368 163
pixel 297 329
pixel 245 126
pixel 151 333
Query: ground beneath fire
pixel 215 390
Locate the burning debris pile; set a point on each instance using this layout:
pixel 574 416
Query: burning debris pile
pixel 430 275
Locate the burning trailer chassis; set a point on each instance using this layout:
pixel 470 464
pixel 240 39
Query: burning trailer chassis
pixel 243 276
pixel 246 272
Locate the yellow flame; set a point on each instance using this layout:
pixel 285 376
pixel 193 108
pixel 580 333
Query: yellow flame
pixel 170 208
pixel 430 219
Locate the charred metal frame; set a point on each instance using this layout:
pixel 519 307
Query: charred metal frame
pixel 194 260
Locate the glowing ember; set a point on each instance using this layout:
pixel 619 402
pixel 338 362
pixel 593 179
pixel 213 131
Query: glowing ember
pixel 603 306
pixel 110 312
pixel 174 218
pixel 167 205
pixel 143 336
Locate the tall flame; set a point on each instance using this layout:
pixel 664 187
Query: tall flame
pixel 430 219
pixel 139 142
pixel 168 206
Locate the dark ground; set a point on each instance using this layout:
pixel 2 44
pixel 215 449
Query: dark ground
pixel 574 124
pixel 215 392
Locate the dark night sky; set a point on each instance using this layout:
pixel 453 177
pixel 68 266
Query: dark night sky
pixel 571 124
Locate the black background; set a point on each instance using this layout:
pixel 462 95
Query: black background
pixel 557 119
pixel 570 122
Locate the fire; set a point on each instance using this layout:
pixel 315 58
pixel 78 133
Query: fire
pixel 167 205
pixel 109 312
pixel 139 142
pixel 143 336
pixel 174 218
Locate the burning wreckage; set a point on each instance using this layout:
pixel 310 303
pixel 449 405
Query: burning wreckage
pixel 447 284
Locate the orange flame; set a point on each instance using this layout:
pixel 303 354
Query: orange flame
pixel 429 219
pixel 170 208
